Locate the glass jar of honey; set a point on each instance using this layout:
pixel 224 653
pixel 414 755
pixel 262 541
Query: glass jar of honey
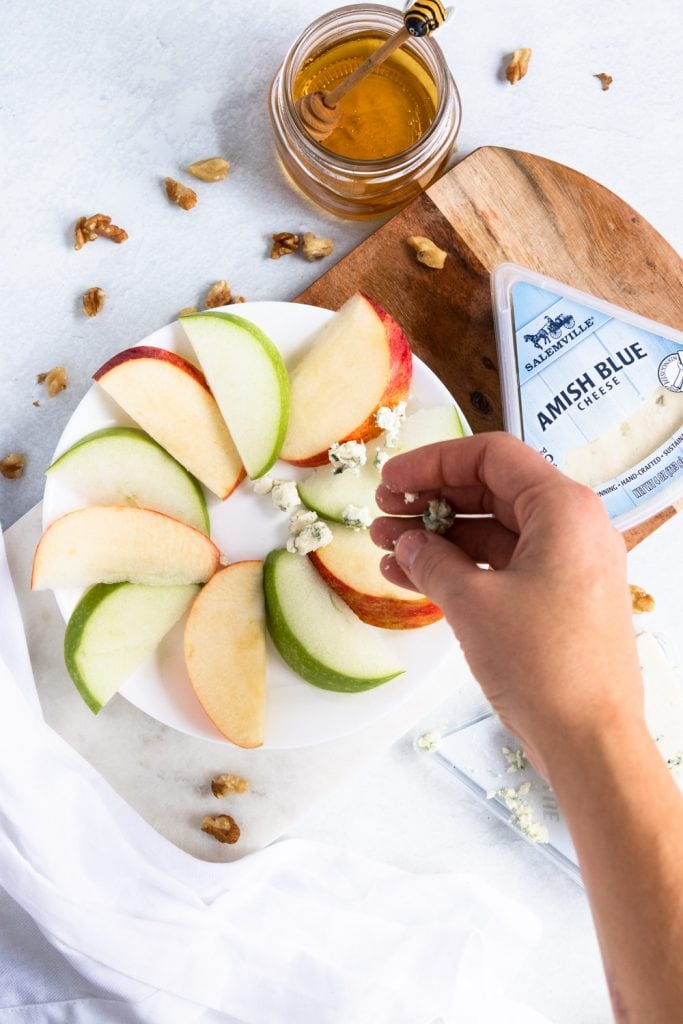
pixel 397 127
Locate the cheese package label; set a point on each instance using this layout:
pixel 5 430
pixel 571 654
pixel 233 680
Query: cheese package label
pixel 599 391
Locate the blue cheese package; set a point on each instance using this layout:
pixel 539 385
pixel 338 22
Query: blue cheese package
pixel 596 389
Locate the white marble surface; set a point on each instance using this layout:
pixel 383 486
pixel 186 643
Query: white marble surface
pixel 98 104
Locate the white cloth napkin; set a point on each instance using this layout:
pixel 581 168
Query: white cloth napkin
pixel 103 919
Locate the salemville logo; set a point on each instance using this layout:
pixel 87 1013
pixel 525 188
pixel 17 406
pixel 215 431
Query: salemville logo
pixel 554 334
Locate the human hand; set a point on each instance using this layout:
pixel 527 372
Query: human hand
pixel 548 633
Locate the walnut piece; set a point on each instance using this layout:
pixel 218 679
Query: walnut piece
pixel 222 785
pixel 315 248
pixel 284 242
pixel 427 252
pixel 518 65
pixel 641 601
pixel 181 195
pixel 219 294
pixel 188 309
pixel 93 301
pixel 222 827
pixel 87 229
pixel 605 80
pixel 55 380
pixel 213 169
pixel 12 466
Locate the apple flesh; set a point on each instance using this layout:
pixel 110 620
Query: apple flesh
pixel 249 381
pixel 170 399
pixel 113 629
pixel 328 493
pixel 350 566
pixel 124 466
pixel 117 544
pixel 358 362
pixel 317 634
pixel 225 652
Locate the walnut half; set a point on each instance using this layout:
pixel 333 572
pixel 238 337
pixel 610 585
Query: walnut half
pixel 641 601
pixel 223 785
pixel 87 229
pixel 605 80
pixel 284 242
pixel 222 827
pixel 55 380
pixel 427 252
pixel 181 195
pixel 12 466
pixel 213 169
pixel 93 301
pixel 315 248
pixel 518 65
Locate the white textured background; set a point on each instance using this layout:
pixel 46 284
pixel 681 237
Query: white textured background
pixel 98 102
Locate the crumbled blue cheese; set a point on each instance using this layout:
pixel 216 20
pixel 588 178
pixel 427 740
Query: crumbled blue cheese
pixel 391 420
pixel 285 495
pixel 300 519
pixel 439 516
pixel 381 456
pixel 349 455
pixel 263 485
pixel 357 517
pixel 309 537
pixel 428 742
pixel 410 496
pixel 521 811
pixel 515 760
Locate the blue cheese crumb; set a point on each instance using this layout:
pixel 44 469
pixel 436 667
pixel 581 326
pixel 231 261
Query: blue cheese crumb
pixel 428 742
pixel 410 496
pixel 263 485
pixel 515 760
pixel 439 516
pixel 381 456
pixel 357 517
pixel 521 811
pixel 391 420
pixel 307 533
pixel 347 455
pixel 285 495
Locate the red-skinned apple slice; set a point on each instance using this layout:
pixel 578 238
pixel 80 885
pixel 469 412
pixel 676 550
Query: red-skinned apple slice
pixel 358 362
pixel 170 399
pixel 117 543
pixel 350 566
pixel 225 652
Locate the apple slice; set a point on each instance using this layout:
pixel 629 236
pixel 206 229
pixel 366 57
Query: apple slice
pixel 114 544
pixel 124 466
pixel 359 361
pixel 170 399
pixel 225 652
pixel 113 629
pixel 350 566
pixel 328 493
pixel 317 634
pixel 249 381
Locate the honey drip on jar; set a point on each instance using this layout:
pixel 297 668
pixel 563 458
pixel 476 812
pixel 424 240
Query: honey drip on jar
pixel 384 114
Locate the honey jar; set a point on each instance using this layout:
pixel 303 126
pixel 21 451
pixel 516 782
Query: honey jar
pixel 396 130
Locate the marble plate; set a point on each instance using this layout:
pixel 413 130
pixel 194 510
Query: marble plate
pixel 247 526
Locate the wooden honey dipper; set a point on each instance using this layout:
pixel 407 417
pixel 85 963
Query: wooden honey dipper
pixel 318 111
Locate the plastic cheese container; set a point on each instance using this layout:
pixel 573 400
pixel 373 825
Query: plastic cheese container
pixel 596 389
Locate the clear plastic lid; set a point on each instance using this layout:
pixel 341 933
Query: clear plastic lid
pixel 596 389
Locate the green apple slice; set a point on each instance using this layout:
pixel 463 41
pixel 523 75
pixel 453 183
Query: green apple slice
pixel 124 466
pixel 317 634
pixel 113 629
pixel 328 493
pixel 249 381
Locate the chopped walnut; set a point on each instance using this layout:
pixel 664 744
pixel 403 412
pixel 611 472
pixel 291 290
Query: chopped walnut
pixel 222 827
pixel 284 242
pixel 37 404
pixel 55 380
pixel 87 229
pixel 213 169
pixel 181 195
pixel 12 466
pixel 427 252
pixel 315 248
pixel 93 301
pixel 188 309
pixel 605 80
pixel 222 785
pixel 219 294
pixel 518 65
pixel 641 601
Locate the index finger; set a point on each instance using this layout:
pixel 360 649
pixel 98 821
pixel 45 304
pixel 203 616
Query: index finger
pixel 495 469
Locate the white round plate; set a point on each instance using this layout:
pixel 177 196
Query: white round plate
pixel 247 526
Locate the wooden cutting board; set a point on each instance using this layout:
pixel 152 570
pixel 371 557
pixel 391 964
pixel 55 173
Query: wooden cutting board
pixel 497 206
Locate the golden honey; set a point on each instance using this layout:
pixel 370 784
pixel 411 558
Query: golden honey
pixel 384 114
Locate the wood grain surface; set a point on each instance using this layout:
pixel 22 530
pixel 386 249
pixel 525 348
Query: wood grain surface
pixel 498 206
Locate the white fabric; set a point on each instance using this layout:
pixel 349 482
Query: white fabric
pixel 104 920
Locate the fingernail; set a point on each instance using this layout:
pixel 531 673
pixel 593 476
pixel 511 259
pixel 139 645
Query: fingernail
pixel 408 546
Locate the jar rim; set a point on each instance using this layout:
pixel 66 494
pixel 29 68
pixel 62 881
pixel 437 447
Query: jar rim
pixel 436 66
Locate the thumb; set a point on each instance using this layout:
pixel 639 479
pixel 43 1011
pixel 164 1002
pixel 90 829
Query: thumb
pixel 438 569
